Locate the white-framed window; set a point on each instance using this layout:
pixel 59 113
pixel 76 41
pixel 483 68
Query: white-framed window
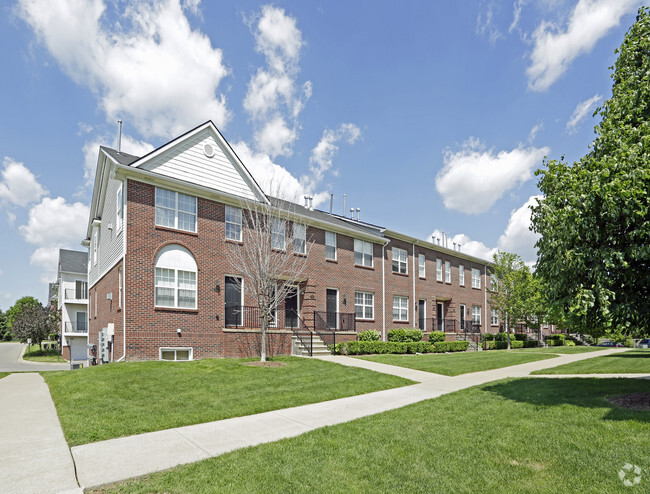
pixel 233 223
pixel 494 317
pixel 119 210
pixel 422 272
pixel 461 275
pixel 400 257
pixel 299 239
pixel 400 308
pixel 175 210
pixel 476 278
pixel 176 354
pixel 175 278
pixel 438 269
pixel 330 246
pixel 447 272
pixel 362 253
pixel 494 282
pixel 119 288
pixel 476 314
pixel 364 305
pixel 278 228
pixel 95 246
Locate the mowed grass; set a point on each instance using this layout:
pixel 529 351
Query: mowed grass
pixel 562 349
pixel 630 362
pixel 454 364
pixel 4 374
pixel 518 435
pixel 116 400
pixel 35 354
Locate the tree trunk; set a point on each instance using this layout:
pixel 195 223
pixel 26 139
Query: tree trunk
pixel 507 334
pixel 263 343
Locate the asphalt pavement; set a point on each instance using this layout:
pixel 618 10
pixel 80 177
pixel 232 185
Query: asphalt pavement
pixel 11 360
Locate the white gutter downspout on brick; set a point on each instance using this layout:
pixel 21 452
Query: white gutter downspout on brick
pixel 123 300
pixel 485 301
pixel 383 290
pixel 414 301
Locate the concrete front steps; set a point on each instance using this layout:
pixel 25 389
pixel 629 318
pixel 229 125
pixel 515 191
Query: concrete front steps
pixel 318 349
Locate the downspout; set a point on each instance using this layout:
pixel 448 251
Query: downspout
pixel 415 304
pixel 485 299
pixel 383 290
pixel 123 295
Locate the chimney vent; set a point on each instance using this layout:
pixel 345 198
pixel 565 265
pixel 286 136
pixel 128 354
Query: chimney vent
pixel 119 136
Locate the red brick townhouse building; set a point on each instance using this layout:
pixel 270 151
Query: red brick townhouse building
pixel 160 285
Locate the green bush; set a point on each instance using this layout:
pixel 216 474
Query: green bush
pixel 501 337
pixel 369 335
pixel 556 337
pixel 521 336
pixel 531 344
pixel 487 337
pixel 435 336
pixel 450 346
pixel 404 335
pixel 502 345
pixel 551 342
pixel 569 343
pixel 628 342
pixel 419 347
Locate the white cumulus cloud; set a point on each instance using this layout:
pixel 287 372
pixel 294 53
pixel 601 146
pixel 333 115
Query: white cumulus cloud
pixel 273 99
pixel 130 145
pixel 583 109
pixel 322 156
pixel 148 67
pixel 19 185
pixel 555 47
pixel 474 177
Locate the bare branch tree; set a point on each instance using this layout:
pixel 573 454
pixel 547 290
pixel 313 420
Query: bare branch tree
pixel 272 256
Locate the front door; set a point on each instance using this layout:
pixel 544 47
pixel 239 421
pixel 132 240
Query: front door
pixel 331 301
pixel 440 312
pixel 233 302
pixel 291 308
pixel 422 314
pixel 462 317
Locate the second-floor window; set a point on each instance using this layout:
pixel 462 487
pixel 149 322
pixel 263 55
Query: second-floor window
pixel 175 210
pixel 233 223
pixel 277 234
pixel 362 253
pixel 461 275
pixel 438 269
pixel 422 266
pixel 476 278
pixel 299 239
pixel 447 272
pixel 330 246
pixel 399 261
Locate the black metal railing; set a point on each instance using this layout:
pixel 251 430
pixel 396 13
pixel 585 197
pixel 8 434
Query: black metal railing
pixel 75 294
pixel 238 316
pixel 335 321
pixel 76 327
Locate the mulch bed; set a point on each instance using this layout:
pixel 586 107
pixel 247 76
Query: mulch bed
pixel 633 401
pixel 259 363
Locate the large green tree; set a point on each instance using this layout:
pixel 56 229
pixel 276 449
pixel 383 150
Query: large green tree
pixel 34 322
pixel 594 218
pixel 18 308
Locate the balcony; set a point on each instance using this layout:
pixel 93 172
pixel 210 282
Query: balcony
pixel 75 294
pixel 75 327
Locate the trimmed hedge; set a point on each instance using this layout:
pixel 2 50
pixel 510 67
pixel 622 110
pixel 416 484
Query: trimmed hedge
pixel 383 347
pixel 404 335
pixel 531 344
pixel 369 335
pixel 502 345
pixel 435 336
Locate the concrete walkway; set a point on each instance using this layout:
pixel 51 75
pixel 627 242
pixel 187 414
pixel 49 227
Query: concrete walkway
pixel 34 456
pixel 123 458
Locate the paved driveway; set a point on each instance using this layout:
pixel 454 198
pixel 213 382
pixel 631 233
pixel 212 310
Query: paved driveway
pixel 10 360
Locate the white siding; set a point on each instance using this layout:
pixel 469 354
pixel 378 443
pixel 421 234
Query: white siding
pixel 188 162
pixel 110 240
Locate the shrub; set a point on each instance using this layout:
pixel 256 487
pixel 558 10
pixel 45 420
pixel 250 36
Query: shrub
pixel 369 335
pixel 450 346
pixel 404 335
pixel 531 344
pixel 501 337
pixel 628 342
pixel 487 337
pixel 435 336
pixel 551 342
pixel 556 337
pixel 521 336
pixel 419 347
pixel 502 345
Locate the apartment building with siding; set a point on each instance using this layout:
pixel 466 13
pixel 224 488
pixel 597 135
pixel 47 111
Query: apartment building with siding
pixel 161 286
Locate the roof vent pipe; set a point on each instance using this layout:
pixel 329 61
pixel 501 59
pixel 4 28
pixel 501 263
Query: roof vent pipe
pixel 331 202
pixel 358 214
pixel 458 247
pixel 351 213
pixel 311 203
pixel 119 136
pixel 306 201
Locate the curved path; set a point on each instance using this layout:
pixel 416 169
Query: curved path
pixel 11 360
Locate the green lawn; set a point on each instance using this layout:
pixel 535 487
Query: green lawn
pixel 4 374
pixel 632 362
pixel 116 400
pixel 562 349
pixel 517 435
pixel 35 354
pixel 453 364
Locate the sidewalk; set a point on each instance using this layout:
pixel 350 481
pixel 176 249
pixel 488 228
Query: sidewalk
pixel 123 458
pixel 34 456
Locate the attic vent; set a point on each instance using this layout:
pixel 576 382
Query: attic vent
pixel 208 150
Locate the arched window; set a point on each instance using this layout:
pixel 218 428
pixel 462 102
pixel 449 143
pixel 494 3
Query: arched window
pixel 175 284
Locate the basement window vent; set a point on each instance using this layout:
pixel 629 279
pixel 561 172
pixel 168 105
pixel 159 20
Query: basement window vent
pixel 176 354
pixel 208 150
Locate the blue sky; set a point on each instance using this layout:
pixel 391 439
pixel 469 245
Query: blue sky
pixel 430 117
